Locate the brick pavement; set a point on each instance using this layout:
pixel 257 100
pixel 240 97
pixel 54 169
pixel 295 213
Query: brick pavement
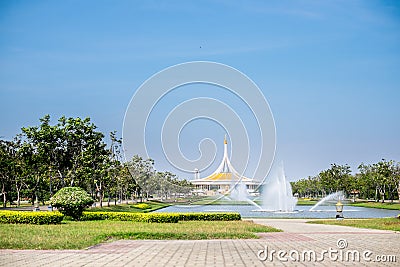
pixel 297 236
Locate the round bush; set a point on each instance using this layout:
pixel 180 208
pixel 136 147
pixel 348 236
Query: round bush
pixel 71 201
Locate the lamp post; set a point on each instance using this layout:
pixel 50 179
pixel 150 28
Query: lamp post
pixel 36 204
pixel 339 210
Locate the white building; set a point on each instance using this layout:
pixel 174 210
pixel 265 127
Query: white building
pixel 223 179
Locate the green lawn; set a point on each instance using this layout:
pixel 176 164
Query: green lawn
pixel 378 223
pixel 306 202
pixel 14 205
pixel 79 235
pixel 387 205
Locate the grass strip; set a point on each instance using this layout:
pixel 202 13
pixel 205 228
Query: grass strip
pixel 80 235
pixel 306 202
pixel 392 224
pixel 377 205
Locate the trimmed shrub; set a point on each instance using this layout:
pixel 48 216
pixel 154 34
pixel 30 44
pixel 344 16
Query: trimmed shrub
pixel 29 217
pixel 162 217
pixel 142 206
pixel 210 216
pixel 71 201
pixel 129 216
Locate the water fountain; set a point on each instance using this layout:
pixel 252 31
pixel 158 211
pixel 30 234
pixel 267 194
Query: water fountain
pixel 277 193
pixel 334 196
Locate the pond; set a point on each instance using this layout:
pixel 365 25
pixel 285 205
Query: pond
pixel 250 211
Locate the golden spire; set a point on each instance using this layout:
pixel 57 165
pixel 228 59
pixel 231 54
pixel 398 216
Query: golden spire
pixel 225 142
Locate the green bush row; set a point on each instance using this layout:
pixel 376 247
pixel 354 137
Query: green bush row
pixel 129 216
pixel 27 217
pixel 210 216
pixel 161 217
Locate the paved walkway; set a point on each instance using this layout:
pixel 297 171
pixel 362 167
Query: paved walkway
pixel 332 245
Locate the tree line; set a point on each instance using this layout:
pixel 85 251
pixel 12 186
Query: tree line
pixel 43 159
pixel 378 181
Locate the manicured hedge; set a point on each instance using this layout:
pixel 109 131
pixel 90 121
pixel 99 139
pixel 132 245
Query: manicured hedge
pixel 210 216
pixel 161 217
pixel 29 217
pixel 129 216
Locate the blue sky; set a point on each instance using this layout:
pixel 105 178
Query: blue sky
pixel 330 70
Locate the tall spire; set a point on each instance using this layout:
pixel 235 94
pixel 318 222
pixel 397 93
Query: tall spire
pixel 225 160
pixel 225 150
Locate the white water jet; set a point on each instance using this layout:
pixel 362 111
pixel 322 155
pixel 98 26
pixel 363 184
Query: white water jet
pixel 239 193
pixel 277 192
pixel 334 196
pixel 254 204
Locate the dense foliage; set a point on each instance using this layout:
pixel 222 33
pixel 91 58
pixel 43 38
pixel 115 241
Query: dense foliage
pixel 378 181
pixel 71 201
pixel 30 217
pixel 43 159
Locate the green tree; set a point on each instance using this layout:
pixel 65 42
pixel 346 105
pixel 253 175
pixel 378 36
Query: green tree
pixel 384 173
pixel 6 169
pixel 72 152
pixel 143 173
pixel 335 178
pixel 397 178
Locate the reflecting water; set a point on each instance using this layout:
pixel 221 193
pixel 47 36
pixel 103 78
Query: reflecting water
pixel 250 211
